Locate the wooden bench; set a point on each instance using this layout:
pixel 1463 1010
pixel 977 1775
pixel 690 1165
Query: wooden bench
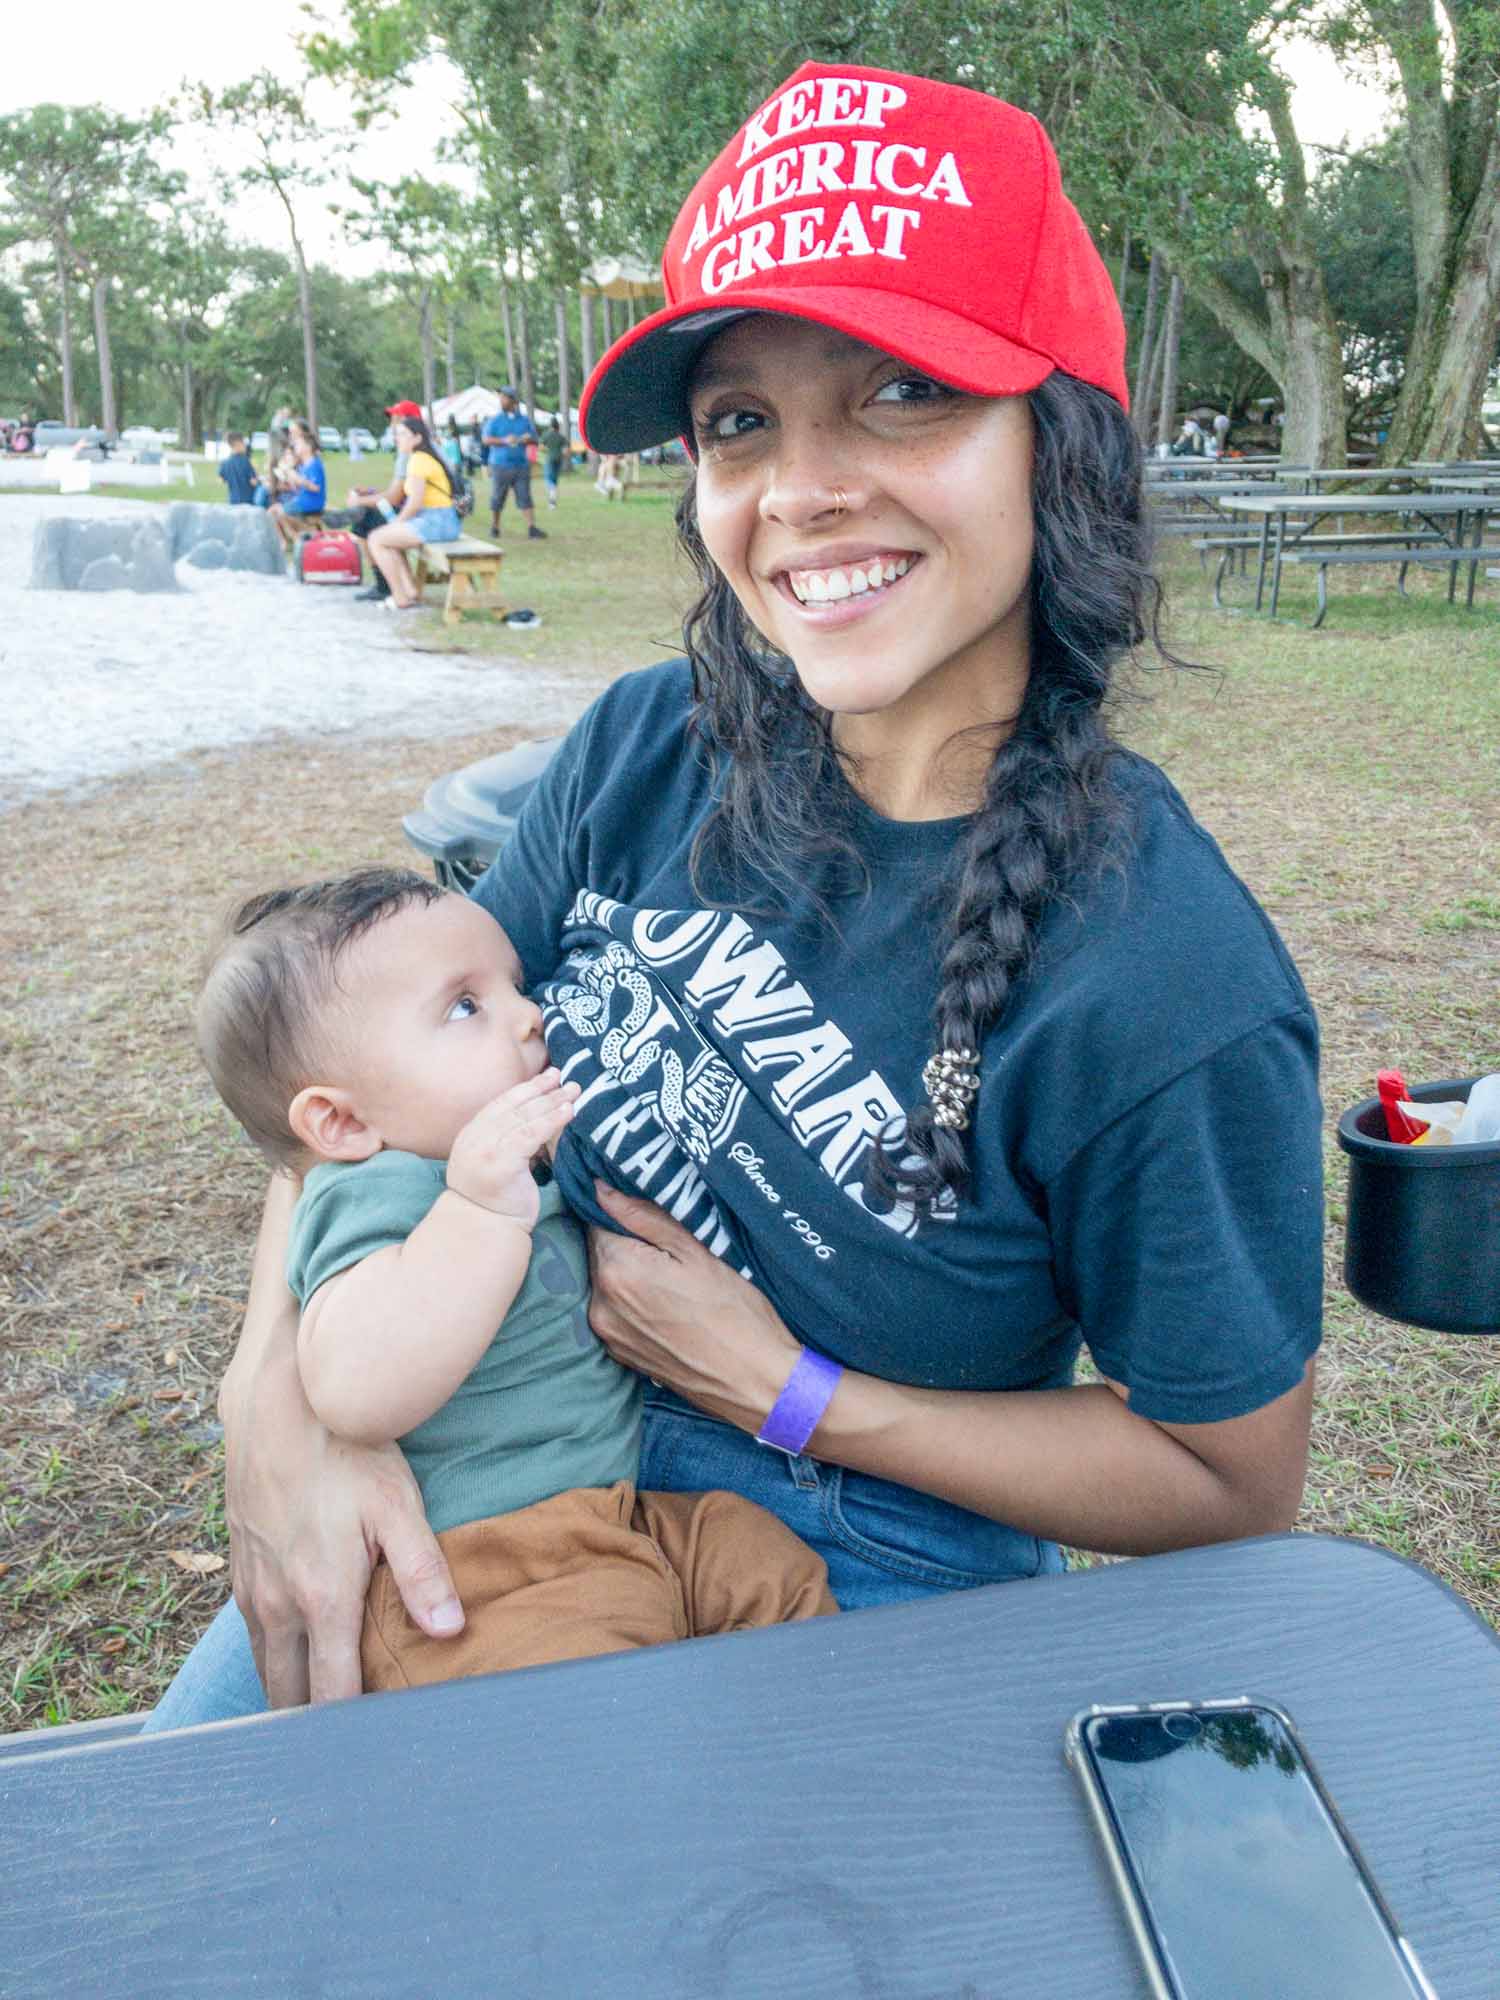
pixel 1425 558
pixel 472 568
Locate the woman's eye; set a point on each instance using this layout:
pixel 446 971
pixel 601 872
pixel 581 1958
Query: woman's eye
pixel 911 389
pixel 729 424
pixel 463 1008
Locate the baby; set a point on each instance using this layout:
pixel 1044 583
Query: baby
pixel 372 1036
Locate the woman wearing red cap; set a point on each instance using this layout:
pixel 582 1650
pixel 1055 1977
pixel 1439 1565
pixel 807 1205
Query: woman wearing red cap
pixel 892 984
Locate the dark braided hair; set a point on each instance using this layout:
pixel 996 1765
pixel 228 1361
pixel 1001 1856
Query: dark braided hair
pixel 1047 813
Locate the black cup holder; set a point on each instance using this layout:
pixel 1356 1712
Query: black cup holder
pixel 1422 1241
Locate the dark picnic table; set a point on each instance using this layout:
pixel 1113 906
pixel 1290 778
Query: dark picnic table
pixel 1451 532
pixel 871 1807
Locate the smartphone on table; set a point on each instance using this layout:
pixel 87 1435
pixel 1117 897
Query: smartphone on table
pixel 1239 1880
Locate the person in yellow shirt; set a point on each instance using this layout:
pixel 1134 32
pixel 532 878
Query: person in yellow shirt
pixel 428 515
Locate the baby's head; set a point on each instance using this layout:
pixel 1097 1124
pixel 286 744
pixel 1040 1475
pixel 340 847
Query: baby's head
pixel 373 1011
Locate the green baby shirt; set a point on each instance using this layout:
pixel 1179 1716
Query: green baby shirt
pixel 545 1409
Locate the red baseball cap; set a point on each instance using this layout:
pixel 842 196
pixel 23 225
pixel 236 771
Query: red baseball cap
pixel 407 409
pixel 924 218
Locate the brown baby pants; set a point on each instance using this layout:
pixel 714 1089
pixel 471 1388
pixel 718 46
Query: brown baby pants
pixel 597 1570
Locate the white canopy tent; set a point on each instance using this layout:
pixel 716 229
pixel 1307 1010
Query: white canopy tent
pixel 474 402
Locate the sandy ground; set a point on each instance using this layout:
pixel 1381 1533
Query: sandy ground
pixel 92 685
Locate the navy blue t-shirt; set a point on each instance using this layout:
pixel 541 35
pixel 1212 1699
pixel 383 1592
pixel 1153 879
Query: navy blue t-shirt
pixel 1146 1139
pixel 238 474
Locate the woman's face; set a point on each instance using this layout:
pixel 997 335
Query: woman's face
pixel 914 599
pixel 302 445
pixel 406 438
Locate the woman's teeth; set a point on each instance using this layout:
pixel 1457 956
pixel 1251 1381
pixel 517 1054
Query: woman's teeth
pixel 827 586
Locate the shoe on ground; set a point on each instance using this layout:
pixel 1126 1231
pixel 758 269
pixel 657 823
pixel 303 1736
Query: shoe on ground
pixel 374 595
pixel 536 534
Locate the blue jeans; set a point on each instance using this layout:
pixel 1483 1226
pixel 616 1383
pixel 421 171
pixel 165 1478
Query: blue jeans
pixel 882 1543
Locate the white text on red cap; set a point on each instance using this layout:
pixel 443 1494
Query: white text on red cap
pixel 833 100
pixel 820 166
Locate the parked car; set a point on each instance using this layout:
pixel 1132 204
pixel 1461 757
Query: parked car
pixel 170 436
pixel 358 435
pixel 388 439
pixel 330 437
pixel 260 441
pixel 143 437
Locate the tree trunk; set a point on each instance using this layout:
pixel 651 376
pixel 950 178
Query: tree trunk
pixel 450 351
pixel 309 336
pixel 1447 364
pixel 1146 353
pixel 108 419
pixel 586 343
pixel 523 342
pixel 608 318
pixel 189 428
pixel 510 341
pixel 1311 373
pixel 564 369
pixel 586 332
pixel 1171 334
pixel 65 332
pixel 1123 281
pixel 429 356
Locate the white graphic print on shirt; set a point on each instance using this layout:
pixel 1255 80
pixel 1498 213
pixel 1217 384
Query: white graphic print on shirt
pixel 623 1019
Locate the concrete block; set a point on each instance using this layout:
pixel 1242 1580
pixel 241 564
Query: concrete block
pixel 71 554
pixel 245 533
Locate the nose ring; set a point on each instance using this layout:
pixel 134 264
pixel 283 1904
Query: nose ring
pixel 840 502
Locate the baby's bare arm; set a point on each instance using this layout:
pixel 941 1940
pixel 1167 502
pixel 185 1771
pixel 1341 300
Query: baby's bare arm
pixel 387 1342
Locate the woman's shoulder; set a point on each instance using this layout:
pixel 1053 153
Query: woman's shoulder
pixel 1164 919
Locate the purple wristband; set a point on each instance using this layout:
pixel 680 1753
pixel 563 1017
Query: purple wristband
pixel 798 1410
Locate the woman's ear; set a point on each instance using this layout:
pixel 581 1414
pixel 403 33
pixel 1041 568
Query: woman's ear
pixel 324 1119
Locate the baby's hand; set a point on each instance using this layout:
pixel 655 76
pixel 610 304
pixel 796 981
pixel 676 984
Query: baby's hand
pixel 490 1163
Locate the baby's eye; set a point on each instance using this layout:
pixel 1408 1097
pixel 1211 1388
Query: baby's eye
pixel 463 1008
pixel 727 424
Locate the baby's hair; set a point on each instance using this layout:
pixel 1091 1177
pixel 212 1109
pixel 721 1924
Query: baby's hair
pixel 269 976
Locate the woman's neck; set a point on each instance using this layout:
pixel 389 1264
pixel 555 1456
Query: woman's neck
pixel 928 758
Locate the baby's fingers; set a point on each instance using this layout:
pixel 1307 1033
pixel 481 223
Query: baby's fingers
pixel 538 1088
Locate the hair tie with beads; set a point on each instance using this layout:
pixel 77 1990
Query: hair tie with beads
pixel 951 1084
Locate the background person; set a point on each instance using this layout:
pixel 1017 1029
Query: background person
pixel 506 436
pixel 370 507
pixel 302 487
pixel 237 470
pixel 962 1032
pixel 427 512
pixel 554 445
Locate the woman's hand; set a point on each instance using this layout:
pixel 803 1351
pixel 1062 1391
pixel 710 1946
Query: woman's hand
pixel 668 1308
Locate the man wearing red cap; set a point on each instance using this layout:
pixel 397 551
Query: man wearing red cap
pixel 376 506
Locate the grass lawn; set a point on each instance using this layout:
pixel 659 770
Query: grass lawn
pixel 1349 774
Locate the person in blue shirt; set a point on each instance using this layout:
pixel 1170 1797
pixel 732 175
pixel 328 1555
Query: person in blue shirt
pixel 238 473
pixel 506 436
pixel 925 1042
pixel 308 484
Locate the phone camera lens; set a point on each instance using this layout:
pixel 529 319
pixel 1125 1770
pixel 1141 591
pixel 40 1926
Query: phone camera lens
pixel 1182 1728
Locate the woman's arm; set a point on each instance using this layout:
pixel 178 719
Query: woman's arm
pixel 308 1513
pixel 1073 1465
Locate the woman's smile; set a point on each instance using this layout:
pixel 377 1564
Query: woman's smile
pixel 841 585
